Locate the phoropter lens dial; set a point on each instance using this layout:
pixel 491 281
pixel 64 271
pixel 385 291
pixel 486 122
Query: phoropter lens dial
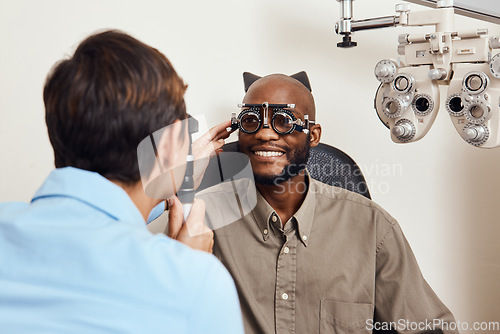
pixel 455 105
pixel 475 82
pixel 422 104
pixel 392 107
pixel 403 83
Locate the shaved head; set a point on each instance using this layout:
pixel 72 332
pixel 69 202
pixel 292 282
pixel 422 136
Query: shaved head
pixel 302 97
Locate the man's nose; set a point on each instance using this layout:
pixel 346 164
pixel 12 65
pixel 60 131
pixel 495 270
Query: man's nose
pixel 267 133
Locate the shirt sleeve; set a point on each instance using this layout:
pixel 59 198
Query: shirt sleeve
pixel 216 309
pixel 403 297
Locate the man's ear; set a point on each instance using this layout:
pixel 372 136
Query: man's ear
pixel 171 144
pixel 168 170
pixel 249 79
pixel 315 137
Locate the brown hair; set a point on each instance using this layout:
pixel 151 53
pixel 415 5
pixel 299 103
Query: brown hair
pixel 104 100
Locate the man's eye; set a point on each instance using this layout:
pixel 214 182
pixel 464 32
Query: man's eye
pixel 283 120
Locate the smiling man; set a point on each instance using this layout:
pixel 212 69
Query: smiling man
pixel 311 258
pixel 276 157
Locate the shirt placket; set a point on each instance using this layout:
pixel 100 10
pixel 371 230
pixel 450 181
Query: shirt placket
pixel 285 284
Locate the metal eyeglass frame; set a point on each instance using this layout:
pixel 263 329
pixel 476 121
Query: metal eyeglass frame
pixel 278 109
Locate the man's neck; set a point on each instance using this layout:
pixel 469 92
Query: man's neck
pixel 136 193
pixel 287 197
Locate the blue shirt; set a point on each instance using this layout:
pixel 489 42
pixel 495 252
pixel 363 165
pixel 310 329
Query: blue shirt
pixel 79 259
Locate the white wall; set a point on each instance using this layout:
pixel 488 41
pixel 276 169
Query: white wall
pixel 443 192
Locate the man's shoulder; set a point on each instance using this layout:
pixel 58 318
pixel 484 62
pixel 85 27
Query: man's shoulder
pixel 229 187
pixel 12 212
pixel 12 209
pixel 192 265
pixel 228 202
pixel 206 288
pixel 161 245
pixel 339 196
pixel 98 235
pixel 198 278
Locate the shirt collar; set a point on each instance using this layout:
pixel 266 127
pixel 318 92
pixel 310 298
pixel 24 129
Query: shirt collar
pixel 92 189
pixel 262 214
pixel 304 216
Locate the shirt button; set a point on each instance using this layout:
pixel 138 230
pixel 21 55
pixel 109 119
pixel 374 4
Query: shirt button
pixel 284 296
pixel 265 231
pixel 274 219
pixel 304 237
pixel 286 250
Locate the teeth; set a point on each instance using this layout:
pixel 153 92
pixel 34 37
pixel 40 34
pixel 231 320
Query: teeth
pixel 268 153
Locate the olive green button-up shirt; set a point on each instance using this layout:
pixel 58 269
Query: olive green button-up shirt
pixel 341 264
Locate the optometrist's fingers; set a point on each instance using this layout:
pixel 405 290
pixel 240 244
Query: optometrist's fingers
pixel 220 131
pixel 217 132
pixel 210 142
pixel 175 217
pixel 202 158
pixel 206 147
pixel 194 232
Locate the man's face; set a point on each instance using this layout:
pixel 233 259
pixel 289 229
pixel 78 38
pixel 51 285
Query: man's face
pixel 162 174
pixel 274 157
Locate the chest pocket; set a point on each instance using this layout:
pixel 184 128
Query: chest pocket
pixel 344 318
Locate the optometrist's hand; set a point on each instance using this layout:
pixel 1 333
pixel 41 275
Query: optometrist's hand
pixel 194 232
pixel 206 147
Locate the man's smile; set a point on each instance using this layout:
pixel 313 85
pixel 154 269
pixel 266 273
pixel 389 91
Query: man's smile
pixel 267 152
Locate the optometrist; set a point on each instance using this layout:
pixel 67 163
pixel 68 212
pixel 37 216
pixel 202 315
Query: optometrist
pixel 78 258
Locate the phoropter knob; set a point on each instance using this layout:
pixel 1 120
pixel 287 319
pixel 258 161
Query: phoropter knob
pixel 385 70
pixel 475 133
pixel 437 74
pixel 495 66
pixel 404 130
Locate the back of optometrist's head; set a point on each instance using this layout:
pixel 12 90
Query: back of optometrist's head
pixel 100 103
